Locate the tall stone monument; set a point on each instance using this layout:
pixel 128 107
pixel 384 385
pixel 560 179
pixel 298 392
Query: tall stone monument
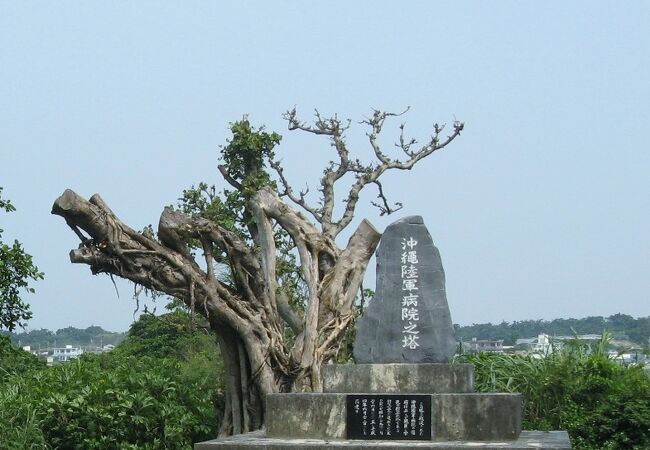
pixel 408 320
pixel 403 392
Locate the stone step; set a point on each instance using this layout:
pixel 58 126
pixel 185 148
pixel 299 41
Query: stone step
pixel 257 440
pixel 481 417
pixel 398 378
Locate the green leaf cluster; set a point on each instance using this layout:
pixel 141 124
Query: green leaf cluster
pixel 16 271
pixel 125 399
pixel 246 156
pixel 14 361
pixel 245 159
pixel 601 403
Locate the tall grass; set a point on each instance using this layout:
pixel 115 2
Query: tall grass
pixel 18 420
pixel 578 388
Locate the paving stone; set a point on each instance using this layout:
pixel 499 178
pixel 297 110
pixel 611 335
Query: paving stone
pixel 528 440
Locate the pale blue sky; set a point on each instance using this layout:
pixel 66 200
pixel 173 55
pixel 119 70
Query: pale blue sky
pixel 541 209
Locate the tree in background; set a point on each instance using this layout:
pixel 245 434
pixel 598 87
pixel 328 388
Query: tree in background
pixel 16 271
pixel 621 326
pixel 276 289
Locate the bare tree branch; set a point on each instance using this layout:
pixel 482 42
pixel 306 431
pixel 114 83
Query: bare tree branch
pixel 384 208
pixel 376 124
pixel 288 192
pixel 334 128
pixel 207 254
pixel 369 173
pixel 226 176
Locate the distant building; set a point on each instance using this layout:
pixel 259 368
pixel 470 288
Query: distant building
pixel 64 354
pixel 28 349
pixel 542 344
pixel 580 337
pixel 483 345
pixel 628 357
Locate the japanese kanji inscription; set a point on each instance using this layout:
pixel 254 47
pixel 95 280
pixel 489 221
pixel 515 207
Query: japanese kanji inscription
pixel 408 320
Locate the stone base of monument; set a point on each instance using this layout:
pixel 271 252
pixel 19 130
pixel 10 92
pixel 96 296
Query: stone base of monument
pixel 398 378
pixel 394 406
pixel 442 417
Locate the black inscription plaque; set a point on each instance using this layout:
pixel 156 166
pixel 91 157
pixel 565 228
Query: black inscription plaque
pixel 389 417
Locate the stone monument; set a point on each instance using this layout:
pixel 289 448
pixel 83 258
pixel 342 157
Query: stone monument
pixel 403 392
pixel 408 320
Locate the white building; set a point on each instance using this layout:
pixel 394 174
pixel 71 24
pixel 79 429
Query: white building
pixel 66 353
pixel 580 337
pixel 28 349
pixel 541 344
pixel 483 345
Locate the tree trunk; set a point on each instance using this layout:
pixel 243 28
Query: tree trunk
pixel 248 316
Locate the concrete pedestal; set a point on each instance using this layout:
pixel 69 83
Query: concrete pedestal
pixel 398 378
pixel 460 419
pixel 481 417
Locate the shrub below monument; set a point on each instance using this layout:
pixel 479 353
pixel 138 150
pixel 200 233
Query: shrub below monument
pixel 601 403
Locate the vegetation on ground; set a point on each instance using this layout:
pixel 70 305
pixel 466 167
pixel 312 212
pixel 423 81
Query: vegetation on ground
pixel 14 361
pixel 602 404
pixel 160 389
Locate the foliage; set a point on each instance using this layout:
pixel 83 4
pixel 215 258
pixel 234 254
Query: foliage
pixel 245 157
pixel 620 325
pixel 176 335
pixel 118 400
pixel 244 164
pixel 602 404
pixel 14 361
pixel 16 269
pixel 158 336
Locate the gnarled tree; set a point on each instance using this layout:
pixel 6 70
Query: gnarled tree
pixel 276 326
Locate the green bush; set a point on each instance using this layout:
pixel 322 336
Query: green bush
pixel 19 422
pixel 602 404
pixel 14 361
pixel 115 400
